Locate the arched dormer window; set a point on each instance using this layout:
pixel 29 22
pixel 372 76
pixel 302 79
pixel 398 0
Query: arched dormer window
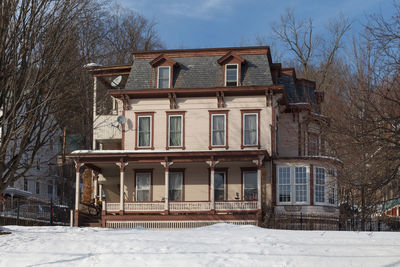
pixel 164 69
pixel 232 68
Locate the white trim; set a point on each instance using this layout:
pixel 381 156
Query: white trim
pixel 150 127
pixel 169 129
pixel 292 172
pixel 244 129
pixel 237 73
pixel 212 129
pixel 169 76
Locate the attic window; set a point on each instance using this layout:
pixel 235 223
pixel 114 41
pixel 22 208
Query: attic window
pixel 231 74
pixel 163 77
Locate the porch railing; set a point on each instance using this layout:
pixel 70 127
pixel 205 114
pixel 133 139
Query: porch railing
pixel 183 206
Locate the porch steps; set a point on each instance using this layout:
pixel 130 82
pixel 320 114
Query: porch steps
pixel 86 220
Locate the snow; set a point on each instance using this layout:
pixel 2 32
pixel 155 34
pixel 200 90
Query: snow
pixel 91 65
pixel 217 245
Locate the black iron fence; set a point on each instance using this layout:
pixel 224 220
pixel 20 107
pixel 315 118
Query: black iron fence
pixel 32 212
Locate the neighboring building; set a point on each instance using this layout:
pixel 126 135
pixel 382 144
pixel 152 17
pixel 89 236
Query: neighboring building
pixel 197 136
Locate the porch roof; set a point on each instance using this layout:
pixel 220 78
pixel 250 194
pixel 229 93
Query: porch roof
pixel 110 156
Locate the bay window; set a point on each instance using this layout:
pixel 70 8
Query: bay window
pixel 292 185
pixel 325 186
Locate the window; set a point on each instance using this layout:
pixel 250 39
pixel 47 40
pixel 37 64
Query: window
pixel 175 125
pixel 284 184
pixel 250 128
pixel 319 185
pixel 37 188
pixel 50 189
pixel 143 186
pixel 175 186
pixel 300 184
pixel 292 185
pixel 144 130
pixel 163 77
pixel 231 75
pixel 218 129
pixel 219 185
pixel 25 184
pixel 313 144
pixel 250 185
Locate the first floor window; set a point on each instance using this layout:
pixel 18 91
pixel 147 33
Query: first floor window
pixel 250 129
pixel 320 185
pixel 218 129
pixel 144 131
pixel 219 185
pixel 284 184
pixel 50 188
pixel 250 185
pixel 292 184
pixel 300 184
pixel 175 130
pixel 37 188
pixel 143 183
pixel 175 186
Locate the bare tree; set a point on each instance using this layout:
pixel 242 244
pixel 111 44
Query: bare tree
pixel 34 46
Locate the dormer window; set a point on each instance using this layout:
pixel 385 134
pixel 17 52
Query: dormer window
pixel 231 75
pixel 164 76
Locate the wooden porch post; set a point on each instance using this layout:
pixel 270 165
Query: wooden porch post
pixel 95 185
pixel 77 185
pixel 122 166
pixel 212 164
pixel 166 165
pixel 259 163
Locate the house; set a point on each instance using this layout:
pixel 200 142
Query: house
pixel 192 137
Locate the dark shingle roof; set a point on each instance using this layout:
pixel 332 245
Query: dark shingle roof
pixel 200 72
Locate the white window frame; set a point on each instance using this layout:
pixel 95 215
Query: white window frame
pixel 224 172
pixel 293 184
pixel 169 129
pixel 330 183
pixel 169 76
pixel 244 129
pixel 136 185
pixel 237 74
pixel 212 129
pixel 138 133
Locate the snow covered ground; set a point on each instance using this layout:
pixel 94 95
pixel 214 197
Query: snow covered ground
pixel 217 245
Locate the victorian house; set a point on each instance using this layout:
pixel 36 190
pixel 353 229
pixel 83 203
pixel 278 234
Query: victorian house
pixel 191 137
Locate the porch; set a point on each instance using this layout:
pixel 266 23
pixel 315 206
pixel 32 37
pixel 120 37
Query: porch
pixel 219 186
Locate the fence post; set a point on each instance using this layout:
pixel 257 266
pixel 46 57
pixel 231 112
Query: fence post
pixel 51 211
pixel 17 211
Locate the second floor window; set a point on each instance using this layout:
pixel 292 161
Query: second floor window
pixel 218 129
pixel 250 129
pixel 313 144
pixel 175 130
pixel 144 131
pixel 231 75
pixel 163 77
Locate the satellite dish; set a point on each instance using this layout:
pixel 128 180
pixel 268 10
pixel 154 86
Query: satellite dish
pixel 121 119
pixel 116 81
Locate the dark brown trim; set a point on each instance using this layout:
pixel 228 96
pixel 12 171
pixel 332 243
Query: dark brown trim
pixel 274 185
pixel 198 92
pixel 247 111
pixel 311 185
pixel 181 113
pixel 210 113
pixel 273 131
pixel 137 115
pixel 182 170
pixel 135 171
pixel 242 170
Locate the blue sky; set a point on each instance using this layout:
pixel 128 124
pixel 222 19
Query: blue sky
pixel 226 23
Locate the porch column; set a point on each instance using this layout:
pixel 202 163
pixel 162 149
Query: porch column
pixel 77 187
pixel 122 166
pixel 101 192
pixel 259 188
pixel 166 165
pixel 212 164
pixel 95 187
